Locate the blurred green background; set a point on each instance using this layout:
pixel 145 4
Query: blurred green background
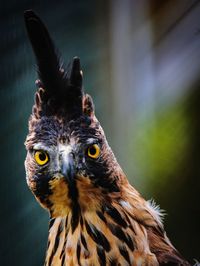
pixel 141 64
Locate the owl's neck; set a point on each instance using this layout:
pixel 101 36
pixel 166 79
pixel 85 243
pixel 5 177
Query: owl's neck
pixel 91 226
pixel 79 197
pixel 109 233
pixel 96 235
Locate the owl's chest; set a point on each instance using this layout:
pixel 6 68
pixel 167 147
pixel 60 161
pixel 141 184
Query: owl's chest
pixel 95 243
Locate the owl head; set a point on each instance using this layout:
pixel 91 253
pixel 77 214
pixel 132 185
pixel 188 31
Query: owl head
pixel 69 164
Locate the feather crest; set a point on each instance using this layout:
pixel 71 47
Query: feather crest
pixel 62 90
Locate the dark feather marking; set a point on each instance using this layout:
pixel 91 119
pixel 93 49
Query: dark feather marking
pixel 97 236
pixel 48 204
pixel 51 258
pixel 75 207
pixel 119 233
pixel 101 216
pixel 73 195
pixel 78 252
pixel 113 262
pixel 102 177
pixel 81 221
pixel 124 253
pixel 102 174
pixel 42 189
pixel 63 260
pixel 129 223
pixel 66 233
pixel 51 222
pixel 101 256
pixel 57 239
pixel 129 242
pixel 66 222
pixel 63 249
pixel 104 182
pixel 84 242
pixel 115 215
pixel 48 243
pixel 75 217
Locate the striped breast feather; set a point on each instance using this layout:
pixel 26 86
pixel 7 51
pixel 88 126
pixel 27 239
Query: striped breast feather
pixel 101 238
pixel 114 234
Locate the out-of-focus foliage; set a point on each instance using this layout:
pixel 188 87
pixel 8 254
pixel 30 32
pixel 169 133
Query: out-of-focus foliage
pixel 141 65
pixel 159 144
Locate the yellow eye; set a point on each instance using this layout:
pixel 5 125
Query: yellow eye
pixel 41 157
pixel 93 151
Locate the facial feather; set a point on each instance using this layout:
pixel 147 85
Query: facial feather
pixel 59 138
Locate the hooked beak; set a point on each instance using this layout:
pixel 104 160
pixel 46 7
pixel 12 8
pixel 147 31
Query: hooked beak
pixel 67 167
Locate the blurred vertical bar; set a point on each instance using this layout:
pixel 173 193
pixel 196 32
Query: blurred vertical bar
pixel 132 77
pixel 176 26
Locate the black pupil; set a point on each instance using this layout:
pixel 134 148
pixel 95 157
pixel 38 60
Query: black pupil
pixel 42 156
pixel 93 150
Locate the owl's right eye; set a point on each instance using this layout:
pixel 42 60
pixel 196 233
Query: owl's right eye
pixel 41 157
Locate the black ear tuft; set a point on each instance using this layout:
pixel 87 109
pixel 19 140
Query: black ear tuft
pixel 88 105
pixel 62 90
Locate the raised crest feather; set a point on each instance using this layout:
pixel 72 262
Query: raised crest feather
pixel 62 90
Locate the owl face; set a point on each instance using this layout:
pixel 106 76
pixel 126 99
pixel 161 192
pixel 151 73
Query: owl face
pixel 69 165
pixel 66 161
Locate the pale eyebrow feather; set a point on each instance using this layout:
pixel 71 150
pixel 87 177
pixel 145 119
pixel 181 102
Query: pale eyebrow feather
pixel 41 146
pixel 91 140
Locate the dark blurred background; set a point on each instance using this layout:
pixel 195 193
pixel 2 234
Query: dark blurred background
pixel 141 64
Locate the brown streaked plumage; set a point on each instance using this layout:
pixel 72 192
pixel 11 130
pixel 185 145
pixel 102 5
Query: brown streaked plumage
pixel 96 216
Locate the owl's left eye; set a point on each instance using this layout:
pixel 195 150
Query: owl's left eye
pixel 93 151
pixel 41 157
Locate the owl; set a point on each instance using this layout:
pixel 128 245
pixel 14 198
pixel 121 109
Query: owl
pixel 96 216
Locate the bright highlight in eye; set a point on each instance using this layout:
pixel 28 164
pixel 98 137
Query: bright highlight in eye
pixel 41 157
pixel 93 151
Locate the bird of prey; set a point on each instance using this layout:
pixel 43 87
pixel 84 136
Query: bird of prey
pixel 96 216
